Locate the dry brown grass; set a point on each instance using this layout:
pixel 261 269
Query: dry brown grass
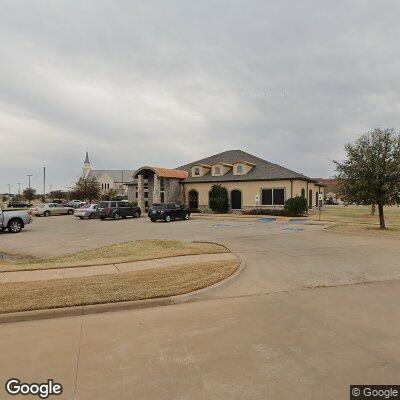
pixel 364 229
pixel 146 284
pixel 357 214
pixel 139 250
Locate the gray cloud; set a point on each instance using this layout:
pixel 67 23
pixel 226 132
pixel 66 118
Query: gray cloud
pixel 165 83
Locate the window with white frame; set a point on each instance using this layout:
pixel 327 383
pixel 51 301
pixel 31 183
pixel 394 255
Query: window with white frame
pixel 217 170
pixel 239 169
pixel 273 197
pixel 196 171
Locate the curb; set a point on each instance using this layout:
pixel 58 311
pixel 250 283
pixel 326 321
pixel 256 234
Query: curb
pixel 112 307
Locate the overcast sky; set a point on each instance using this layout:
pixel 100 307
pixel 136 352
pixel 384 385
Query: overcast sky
pixel 168 82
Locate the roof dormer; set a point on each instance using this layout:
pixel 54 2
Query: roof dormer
pixel 220 169
pixel 200 170
pixel 242 167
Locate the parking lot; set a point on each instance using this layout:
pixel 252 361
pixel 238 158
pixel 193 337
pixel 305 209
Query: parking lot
pixel 63 234
pixel 311 313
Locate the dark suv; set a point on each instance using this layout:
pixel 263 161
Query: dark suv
pixel 117 210
pixel 167 212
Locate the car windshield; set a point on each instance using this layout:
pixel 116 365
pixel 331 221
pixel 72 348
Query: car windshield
pixel 103 204
pixel 86 206
pixel 42 205
pixel 157 206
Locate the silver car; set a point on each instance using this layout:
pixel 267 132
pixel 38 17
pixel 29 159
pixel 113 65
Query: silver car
pixel 86 211
pixel 52 209
pixel 14 220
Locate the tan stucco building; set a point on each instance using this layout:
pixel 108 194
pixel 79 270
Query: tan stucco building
pixel 251 182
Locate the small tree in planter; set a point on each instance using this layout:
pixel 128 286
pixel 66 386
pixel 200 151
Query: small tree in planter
pixel 296 206
pixel 219 199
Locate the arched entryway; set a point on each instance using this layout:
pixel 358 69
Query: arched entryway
pixel 193 199
pixel 236 199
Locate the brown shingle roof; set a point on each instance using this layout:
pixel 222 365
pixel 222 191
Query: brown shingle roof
pixel 262 170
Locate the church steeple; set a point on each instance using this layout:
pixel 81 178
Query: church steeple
pixel 86 166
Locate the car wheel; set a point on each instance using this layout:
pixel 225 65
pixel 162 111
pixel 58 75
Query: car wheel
pixel 102 218
pixel 92 216
pixel 81 217
pixel 187 216
pixel 136 214
pixel 117 215
pixel 46 213
pixel 167 218
pixel 153 220
pixel 70 212
pixel 15 226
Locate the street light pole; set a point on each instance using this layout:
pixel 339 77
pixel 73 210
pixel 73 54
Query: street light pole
pixel 122 190
pixel 29 180
pixel 44 181
pixel 9 190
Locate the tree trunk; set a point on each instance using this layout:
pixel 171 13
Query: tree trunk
pixel 381 217
pixel 372 209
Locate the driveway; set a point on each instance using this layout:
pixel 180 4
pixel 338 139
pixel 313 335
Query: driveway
pixel 311 313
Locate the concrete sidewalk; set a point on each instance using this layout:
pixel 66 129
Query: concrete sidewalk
pixel 75 272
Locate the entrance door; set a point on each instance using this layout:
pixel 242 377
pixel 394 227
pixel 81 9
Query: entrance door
pixel 193 199
pixel 236 199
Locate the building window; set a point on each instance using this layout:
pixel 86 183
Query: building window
pixel 102 185
pixel 197 171
pixel 303 193
pixel 310 198
pixel 162 197
pixel 162 184
pixel 273 197
pixel 146 195
pixel 239 169
pixel 217 170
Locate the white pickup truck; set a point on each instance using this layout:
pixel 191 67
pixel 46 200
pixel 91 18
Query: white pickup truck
pixel 14 220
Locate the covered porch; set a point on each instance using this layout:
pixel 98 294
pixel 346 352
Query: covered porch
pixel 156 185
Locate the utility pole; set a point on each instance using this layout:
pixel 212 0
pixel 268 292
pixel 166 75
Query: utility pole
pixel 29 178
pixel 9 190
pixel 122 190
pixel 44 181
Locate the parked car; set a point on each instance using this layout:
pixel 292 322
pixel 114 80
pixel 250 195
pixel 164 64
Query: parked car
pixel 14 220
pixel 75 203
pixel 48 209
pixel 117 210
pixel 17 204
pixel 167 212
pixel 86 211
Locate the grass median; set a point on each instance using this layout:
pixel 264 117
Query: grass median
pixel 139 285
pixel 138 250
pixel 357 215
pixel 364 229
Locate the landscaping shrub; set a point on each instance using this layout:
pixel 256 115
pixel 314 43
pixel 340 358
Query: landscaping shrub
pixel 219 199
pixel 296 206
